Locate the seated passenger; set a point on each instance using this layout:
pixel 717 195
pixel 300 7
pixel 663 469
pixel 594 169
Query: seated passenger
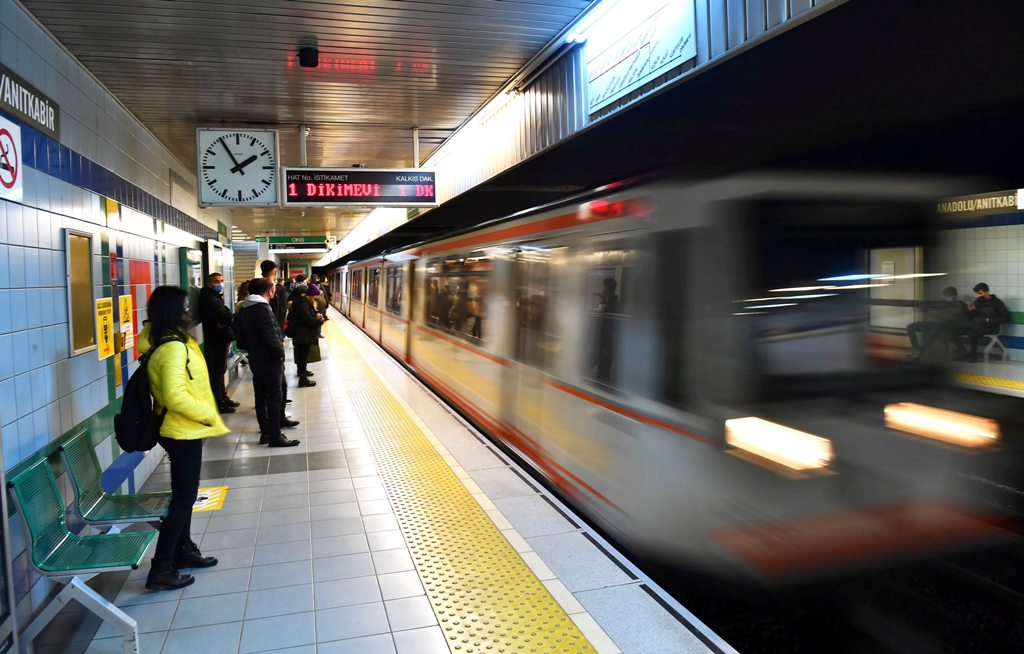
pixel 939 322
pixel 984 316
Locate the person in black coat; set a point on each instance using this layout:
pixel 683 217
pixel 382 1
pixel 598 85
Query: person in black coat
pixel 984 316
pixel 258 333
pixel 304 329
pixel 217 336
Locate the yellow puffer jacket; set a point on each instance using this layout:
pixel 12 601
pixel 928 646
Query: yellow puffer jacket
pixel 191 410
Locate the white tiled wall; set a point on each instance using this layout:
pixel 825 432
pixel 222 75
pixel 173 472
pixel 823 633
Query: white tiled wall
pixel 994 255
pixel 44 392
pixel 93 122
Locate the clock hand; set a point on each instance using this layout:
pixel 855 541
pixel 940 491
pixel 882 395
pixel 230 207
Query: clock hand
pixel 228 150
pixel 240 166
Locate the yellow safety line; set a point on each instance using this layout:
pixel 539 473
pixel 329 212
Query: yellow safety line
pixel 486 598
pixel 984 380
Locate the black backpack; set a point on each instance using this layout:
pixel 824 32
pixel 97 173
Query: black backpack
pixel 137 427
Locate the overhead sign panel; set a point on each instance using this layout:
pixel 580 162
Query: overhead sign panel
pixel 363 187
pixel 21 99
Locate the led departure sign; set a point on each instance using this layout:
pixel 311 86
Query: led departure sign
pixel 364 187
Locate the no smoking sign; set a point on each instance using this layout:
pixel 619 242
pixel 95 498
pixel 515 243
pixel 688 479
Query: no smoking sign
pixel 10 161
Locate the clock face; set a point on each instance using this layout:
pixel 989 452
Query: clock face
pixel 237 167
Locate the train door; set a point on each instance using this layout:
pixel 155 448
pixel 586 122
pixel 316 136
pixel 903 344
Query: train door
pixel 536 347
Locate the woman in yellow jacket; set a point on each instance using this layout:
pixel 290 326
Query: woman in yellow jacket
pixel 180 384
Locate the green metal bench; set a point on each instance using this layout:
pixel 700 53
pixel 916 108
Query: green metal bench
pixel 57 553
pixel 97 507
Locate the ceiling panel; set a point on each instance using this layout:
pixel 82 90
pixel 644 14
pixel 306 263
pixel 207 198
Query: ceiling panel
pixel 385 66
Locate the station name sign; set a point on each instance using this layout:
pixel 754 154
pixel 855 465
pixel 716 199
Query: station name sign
pixel 985 204
pixel 24 101
pixel 364 187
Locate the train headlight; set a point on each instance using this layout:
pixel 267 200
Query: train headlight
pixel 949 426
pixel 794 449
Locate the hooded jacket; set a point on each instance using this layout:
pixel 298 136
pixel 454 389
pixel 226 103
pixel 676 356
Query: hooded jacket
pixel 258 332
pixel 992 311
pixel 179 381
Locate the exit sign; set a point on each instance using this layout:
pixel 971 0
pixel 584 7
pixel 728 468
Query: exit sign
pixel 363 187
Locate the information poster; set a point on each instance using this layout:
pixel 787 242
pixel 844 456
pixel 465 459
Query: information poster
pixel 127 321
pixel 105 327
pixel 633 43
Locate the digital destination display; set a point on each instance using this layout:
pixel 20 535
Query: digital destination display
pixel 364 187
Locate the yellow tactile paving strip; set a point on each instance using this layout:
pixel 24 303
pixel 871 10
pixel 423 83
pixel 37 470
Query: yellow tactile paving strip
pixel 998 382
pixel 485 596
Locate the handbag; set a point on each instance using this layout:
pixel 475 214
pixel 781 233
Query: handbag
pixel 314 353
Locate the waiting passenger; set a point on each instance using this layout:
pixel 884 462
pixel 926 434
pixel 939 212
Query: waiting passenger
pixel 258 332
pixel 241 294
pixel 606 302
pixel 180 384
pixel 984 316
pixel 304 327
pixel 217 336
pixel 939 324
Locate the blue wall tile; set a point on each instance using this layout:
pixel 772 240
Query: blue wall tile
pixel 31 268
pixel 15 228
pixel 29 230
pixel 11 448
pixel 6 356
pixel 26 436
pixel 16 266
pixel 34 308
pixel 5 311
pixel 8 402
pixel 46 305
pixel 23 394
pixel 21 356
pixel 37 382
pixel 5 281
pixel 35 343
pixel 19 310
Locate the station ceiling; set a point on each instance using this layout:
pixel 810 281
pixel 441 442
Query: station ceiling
pixel 386 66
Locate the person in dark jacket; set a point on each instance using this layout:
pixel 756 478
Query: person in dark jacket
pixel 217 335
pixel 304 324
pixel 278 306
pixel 940 323
pixel 984 316
pixel 258 333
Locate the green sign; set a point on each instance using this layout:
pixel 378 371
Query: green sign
pixel 319 240
pixel 260 239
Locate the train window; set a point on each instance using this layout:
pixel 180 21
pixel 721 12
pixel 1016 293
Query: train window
pixel 356 288
pixel 610 292
pixel 394 291
pixel 373 286
pixel 457 289
pixel 538 332
pixel 634 326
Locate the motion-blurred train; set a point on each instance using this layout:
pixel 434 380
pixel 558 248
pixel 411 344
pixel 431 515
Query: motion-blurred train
pixel 708 370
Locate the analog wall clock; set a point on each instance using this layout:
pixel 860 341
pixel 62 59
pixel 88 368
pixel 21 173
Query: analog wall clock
pixel 237 167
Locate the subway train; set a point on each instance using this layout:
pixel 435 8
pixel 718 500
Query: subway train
pixel 713 372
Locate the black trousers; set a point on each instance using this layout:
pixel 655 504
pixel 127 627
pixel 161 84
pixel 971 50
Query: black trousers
pixel 175 530
pixel 216 355
pixel 974 330
pixel 267 382
pixel 301 356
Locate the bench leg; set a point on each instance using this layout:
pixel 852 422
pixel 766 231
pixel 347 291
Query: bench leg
pixel 78 590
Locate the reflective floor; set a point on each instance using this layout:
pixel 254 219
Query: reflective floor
pixel 392 527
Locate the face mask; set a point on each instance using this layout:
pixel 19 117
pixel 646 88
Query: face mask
pixel 219 288
pixel 948 299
